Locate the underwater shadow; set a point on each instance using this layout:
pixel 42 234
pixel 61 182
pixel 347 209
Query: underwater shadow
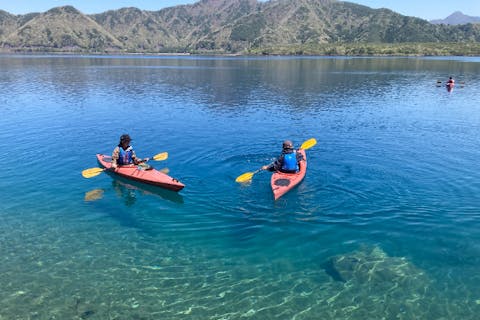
pixel 124 188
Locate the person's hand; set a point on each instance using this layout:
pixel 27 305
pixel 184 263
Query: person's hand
pixel 264 167
pixel 145 159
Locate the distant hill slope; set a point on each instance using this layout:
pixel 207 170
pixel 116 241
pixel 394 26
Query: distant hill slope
pixel 63 28
pixel 225 26
pixel 457 18
pixel 9 22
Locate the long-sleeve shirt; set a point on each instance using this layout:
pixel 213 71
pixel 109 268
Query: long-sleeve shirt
pixel 116 155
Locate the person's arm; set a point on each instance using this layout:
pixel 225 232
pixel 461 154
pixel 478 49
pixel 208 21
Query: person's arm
pixel 299 156
pixel 134 158
pixel 269 167
pixel 115 155
pixel 137 160
pixel 274 166
pixel 277 165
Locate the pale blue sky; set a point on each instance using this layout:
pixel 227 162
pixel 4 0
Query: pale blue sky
pixel 426 9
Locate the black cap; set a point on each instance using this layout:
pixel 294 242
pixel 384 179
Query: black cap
pixel 125 137
pixel 287 144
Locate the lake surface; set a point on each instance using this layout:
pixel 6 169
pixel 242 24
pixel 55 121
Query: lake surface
pixel 386 223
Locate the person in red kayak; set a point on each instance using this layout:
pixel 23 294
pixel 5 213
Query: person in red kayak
pixel 123 154
pixel 288 161
pixel 450 82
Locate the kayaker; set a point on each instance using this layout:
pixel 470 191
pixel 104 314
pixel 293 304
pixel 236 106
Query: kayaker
pixel 288 161
pixel 450 82
pixel 123 154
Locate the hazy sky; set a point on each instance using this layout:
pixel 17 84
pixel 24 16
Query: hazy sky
pixel 426 9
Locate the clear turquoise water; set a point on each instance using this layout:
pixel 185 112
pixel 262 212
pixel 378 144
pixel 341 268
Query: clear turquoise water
pixel 385 224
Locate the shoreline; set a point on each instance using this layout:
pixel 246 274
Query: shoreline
pixel 47 53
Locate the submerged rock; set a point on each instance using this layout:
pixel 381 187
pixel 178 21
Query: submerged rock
pixel 375 283
pixel 373 267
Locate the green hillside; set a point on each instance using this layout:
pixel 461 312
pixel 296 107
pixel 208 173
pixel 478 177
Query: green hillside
pixel 238 27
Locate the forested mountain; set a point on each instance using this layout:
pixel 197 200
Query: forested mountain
pixel 222 26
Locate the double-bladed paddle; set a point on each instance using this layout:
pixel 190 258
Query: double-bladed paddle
pixel 247 176
pixel 92 172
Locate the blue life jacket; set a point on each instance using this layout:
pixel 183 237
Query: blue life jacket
pixel 290 163
pixel 125 156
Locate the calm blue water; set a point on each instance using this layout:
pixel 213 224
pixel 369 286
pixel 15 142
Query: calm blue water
pixel 385 225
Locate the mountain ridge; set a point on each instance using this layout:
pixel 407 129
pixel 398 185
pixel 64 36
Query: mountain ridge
pixel 221 26
pixel 456 18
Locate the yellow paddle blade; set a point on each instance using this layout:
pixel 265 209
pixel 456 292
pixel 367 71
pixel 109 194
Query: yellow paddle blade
pixel 161 156
pixel 247 176
pixel 94 195
pixel 308 144
pixel 92 172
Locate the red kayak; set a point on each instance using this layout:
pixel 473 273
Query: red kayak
pixel 150 176
pixel 283 182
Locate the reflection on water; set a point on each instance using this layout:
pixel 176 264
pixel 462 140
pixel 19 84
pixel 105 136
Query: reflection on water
pixel 384 225
pixel 93 195
pixel 127 190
